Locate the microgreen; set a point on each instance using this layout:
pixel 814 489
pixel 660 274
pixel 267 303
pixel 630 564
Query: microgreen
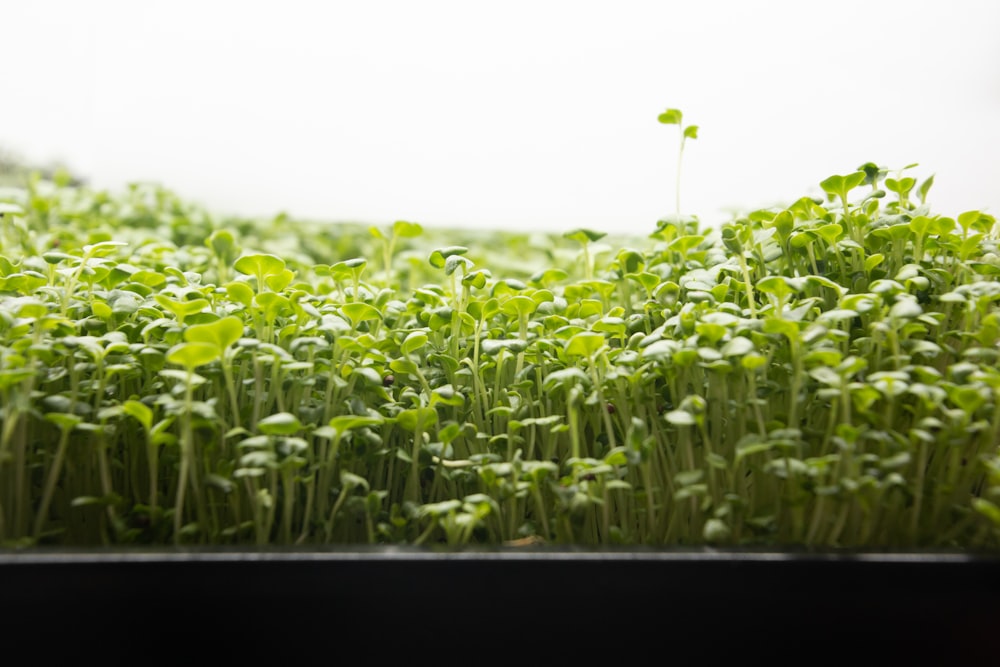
pixel 819 374
pixel 676 117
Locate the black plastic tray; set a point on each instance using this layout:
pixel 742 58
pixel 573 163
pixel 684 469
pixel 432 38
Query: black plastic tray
pixel 399 603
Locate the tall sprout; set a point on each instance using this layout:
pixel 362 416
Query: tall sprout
pixel 675 117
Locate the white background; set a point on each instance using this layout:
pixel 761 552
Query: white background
pixel 525 115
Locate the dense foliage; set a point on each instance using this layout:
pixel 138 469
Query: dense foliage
pixel 821 374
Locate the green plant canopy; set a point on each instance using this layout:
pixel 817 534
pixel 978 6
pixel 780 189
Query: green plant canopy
pixel 821 374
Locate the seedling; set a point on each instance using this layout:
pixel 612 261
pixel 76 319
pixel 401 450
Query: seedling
pixel 585 237
pixel 822 375
pixel 675 117
pixel 401 229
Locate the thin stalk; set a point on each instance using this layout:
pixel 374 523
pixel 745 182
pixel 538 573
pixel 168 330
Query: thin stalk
pixel 748 285
pixel 104 473
pixel 51 481
pixel 288 505
pixel 187 472
pixel 572 413
pixel 677 182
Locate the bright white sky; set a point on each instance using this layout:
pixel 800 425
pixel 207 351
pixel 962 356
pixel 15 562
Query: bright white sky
pixel 519 114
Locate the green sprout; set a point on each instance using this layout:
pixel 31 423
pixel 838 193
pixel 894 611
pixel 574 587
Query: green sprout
pixel 675 117
pixel 822 374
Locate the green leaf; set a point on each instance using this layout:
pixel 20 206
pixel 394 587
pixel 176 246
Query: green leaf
pixel 784 223
pixel 779 326
pixel 446 395
pixel 184 377
pixel 417 418
pixel 738 346
pixel 872 261
pixel 359 311
pixel 872 173
pixel 826 282
pixel 832 185
pixel 691 132
pixel 348 268
pixel 223 245
pixel 852 181
pixel 476 279
pixel 839 186
pixel 548 277
pixel 221 333
pixel 351 481
pixel 716 530
pixel 404 229
pixel 585 344
pixel 920 225
pixel 671 117
pixel 492 346
pixel 631 261
pixel 453 263
pixel 140 412
pixel 273 304
pixel 895 185
pixel 240 292
pixel 689 477
pixel 405 366
pixel 101 310
pixel 615 326
pixel 777 285
pixel 925 188
pixel 182 309
pixel 584 236
pixel 344 423
pixel 649 281
pixel 685 244
pixel 484 310
pixel 680 418
pixel 192 355
pixel 519 306
pixel 260 265
pixel 148 278
pixel 279 280
pixel 102 249
pixel 968 398
pixel 439 257
pixel 450 432
pixel 65 421
pixel 973 220
pixel 282 423
pixel 413 342
pixel 831 232
pixel 507 287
